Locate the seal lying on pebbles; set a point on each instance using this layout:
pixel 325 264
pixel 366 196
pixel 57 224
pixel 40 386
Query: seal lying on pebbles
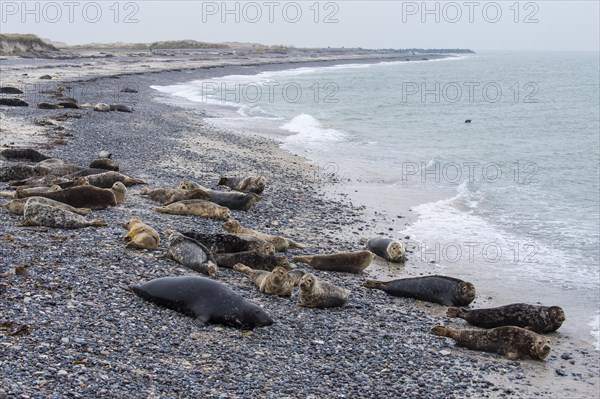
pixel 49 106
pixel 101 107
pixel 540 319
pixel 104 163
pixel 17 172
pixel 228 243
pixel 512 342
pixel 167 196
pixel 347 262
pixel 234 201
pixel 140 235
pixel 57 167
pixel 278 282
pixel 388 249
pixel 107 179
pixel 39 181
pixel 189 185
pixel 79 197
pixel 281 243
pixel 315 293
pixel 40 214
pixel 22 155
pixel 253 259
pixel 202 208
pixel 84 173
pixel 17 206
pixel 13 102
pixel 121 108
pixel 207 300
pixel 250 184
pixel 447 291
pixel 191 254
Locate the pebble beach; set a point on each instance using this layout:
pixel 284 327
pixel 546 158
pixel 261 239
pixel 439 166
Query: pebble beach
pixel 85 335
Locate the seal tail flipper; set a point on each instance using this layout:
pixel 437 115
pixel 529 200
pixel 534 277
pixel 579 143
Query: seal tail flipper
pixel 240 267
pixel 373 284
pixel 222 181
pixel 83 211
pixel 304 259
pixel 98 222
pixel 212 269
pixel 294 244
pixel 457 312
pixel 144 191
pixel 440 331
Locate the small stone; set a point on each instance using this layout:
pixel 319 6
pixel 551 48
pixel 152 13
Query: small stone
pixel 64 340
pixel 62 373
pixel 561 372
pixel 444 352
pixel 566 355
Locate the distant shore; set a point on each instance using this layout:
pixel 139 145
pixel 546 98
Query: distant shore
pixel 111 344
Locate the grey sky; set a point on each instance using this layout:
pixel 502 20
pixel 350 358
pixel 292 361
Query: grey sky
pixel 553 25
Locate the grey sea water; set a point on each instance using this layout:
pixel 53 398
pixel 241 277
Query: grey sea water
pixel 510 200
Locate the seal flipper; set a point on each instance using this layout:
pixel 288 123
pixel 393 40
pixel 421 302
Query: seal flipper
pixel 202 320
pixel 513 355
pixel 457 312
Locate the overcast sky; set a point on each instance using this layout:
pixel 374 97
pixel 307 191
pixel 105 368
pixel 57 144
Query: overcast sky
pixel 479 25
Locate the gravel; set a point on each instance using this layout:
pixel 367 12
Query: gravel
pixel 89 337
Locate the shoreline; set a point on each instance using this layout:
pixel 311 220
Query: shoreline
pixel 189 148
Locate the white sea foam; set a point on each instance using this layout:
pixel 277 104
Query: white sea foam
pixel 595 324
pixel 454 222
pixel 310 131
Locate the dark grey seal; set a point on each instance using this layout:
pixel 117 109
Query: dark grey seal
pixel 207 300
pixel 447 291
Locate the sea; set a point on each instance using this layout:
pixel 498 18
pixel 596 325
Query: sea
pixel 497 154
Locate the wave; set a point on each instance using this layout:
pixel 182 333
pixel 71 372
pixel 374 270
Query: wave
pixel 453 224
pixel 595 324
pixel 310 131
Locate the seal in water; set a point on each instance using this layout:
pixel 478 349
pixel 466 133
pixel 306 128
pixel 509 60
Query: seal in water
pixel 39 214
pixel 250 184
pixel 539 319
pixel 388 249
pixel 17 206
pixel 315 293
pixel 22 155
pixel 191 254
pixel 79 197
pixel 228 243
pixel 252 259
pixel 140 235
pixel 207 300
pixel 278 282
pixel 447 291
pixel 347 262
pixel 512 342
pixel 281 243
pixel 202 208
